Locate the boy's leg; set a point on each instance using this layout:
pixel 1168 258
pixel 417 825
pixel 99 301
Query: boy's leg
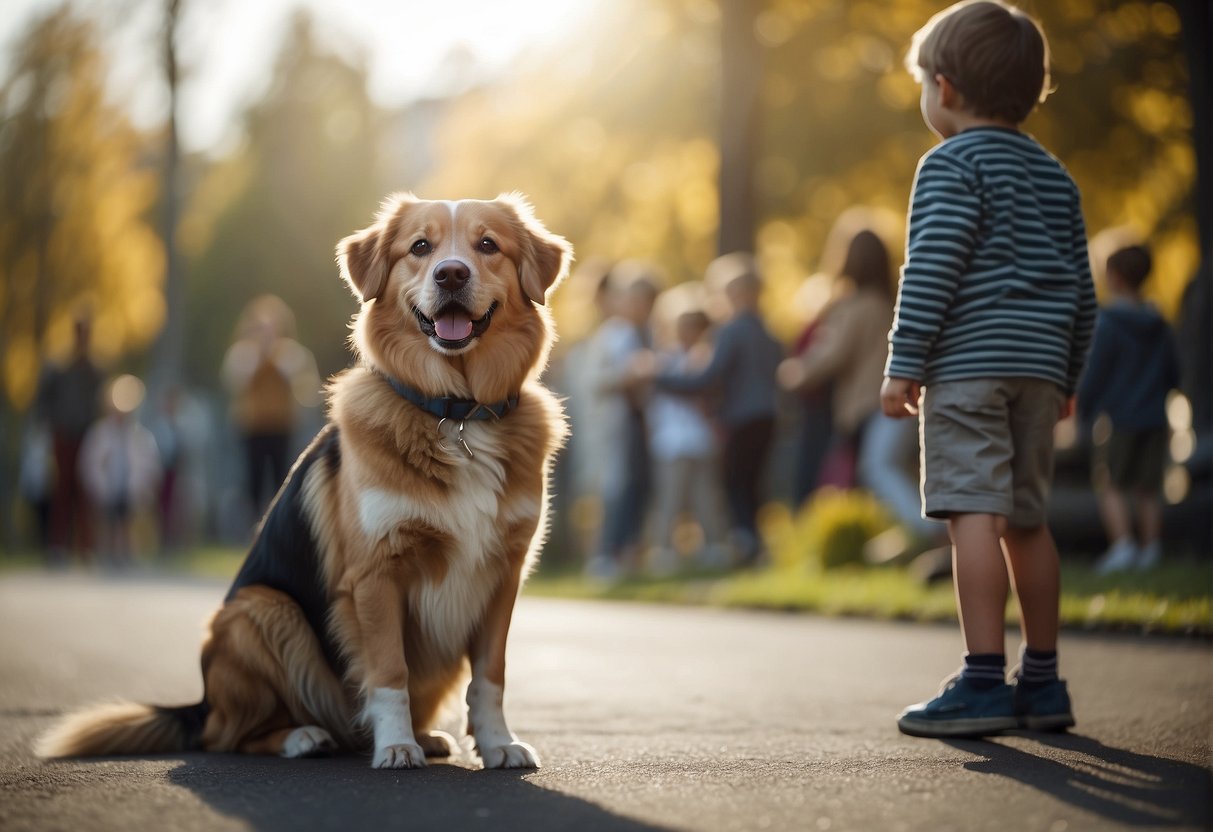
pixel 1034 564
pixel 980 575
pixel 1149 524
pixel 1114 509
pixel 1041 699
pixel 966 477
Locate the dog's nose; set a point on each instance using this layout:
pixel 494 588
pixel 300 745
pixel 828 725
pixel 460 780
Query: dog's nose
pixel 451 274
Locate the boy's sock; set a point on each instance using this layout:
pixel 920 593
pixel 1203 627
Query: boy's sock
pixel 1037 667
pixel 985 670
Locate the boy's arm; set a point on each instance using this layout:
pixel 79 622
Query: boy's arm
pixel 709 376
pixel 1094 380
pixel 1084 320
pixel 945 215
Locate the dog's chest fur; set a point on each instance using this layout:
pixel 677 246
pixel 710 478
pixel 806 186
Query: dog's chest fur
pixel 475 515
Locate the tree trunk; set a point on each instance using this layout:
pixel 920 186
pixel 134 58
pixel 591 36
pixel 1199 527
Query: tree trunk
pixel 169 355
pixel 740 88
pixel 1196 318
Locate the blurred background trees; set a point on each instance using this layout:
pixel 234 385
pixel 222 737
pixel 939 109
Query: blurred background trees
pixel 634 136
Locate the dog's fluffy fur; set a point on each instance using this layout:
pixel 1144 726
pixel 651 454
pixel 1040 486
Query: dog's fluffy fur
pixel 388 566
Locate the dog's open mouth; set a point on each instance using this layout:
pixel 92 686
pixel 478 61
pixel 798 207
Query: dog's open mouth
pixel 454 327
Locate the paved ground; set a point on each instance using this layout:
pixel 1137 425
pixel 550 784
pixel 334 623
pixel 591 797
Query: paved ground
pixel 648 718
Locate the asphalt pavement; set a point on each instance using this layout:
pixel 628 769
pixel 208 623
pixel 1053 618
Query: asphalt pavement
pixel 647 718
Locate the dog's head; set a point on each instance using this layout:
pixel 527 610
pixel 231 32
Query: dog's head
pixel 454 289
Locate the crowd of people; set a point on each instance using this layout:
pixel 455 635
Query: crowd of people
pixel 105 468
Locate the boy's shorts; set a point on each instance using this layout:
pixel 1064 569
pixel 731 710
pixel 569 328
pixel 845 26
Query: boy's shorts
pixel 1134 461
pixel 987 448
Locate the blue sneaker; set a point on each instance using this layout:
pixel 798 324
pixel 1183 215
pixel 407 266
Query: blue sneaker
pixel 1043 707
pixel 961 710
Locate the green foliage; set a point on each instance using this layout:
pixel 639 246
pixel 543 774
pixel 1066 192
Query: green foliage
pixel 1172 600
pixel 267 219
pixel 832 530
pixel 75 191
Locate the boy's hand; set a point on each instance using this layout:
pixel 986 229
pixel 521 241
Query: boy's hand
pixel 899 397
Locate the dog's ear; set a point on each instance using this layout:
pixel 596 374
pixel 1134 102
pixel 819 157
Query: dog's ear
pixel 545 257
pixel 365 256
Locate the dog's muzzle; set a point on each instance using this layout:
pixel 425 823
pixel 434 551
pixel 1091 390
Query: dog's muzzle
pixel 453 328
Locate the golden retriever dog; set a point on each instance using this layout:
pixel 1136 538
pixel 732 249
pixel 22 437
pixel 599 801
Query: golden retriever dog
pixel 386 570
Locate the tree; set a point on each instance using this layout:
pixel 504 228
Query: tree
pixel 268 219
pixel 169 356
pixel 740 117
pixel 73 200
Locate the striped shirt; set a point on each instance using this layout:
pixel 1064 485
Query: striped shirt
pixel 996 281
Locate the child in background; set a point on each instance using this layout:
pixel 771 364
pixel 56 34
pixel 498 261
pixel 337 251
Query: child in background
pixel 994 317
pixel 684 448
pixel 1132 368
pixel 741 376
pixel 619 421
pixel 120 467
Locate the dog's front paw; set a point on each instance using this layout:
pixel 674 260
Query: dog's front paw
pixel 516 754
pixel 308 741
pixel 404 755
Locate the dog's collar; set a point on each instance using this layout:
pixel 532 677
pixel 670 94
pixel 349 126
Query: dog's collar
pixel 449 407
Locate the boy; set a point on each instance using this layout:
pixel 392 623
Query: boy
pixel 1132 368
pixel 742 370
pixel 994 316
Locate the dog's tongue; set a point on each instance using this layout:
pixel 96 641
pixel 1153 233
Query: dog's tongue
pixel 453 326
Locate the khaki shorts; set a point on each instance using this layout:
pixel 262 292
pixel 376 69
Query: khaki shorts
pixel 987 448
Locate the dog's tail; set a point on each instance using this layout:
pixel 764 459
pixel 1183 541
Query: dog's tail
pixel 124 728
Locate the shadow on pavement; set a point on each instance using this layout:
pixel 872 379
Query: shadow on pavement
pixel 344 793
pixel 1124 786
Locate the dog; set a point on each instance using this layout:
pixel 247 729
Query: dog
pixel 383 577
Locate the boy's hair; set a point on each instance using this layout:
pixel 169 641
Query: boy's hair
pixel 736 271
pixel 1132 263
pixel 992 53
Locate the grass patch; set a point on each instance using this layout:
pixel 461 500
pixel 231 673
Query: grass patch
pixel 1174 599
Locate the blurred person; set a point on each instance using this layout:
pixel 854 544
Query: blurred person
pixel 815 423
pixel 170 433
pixel 847 356
pixel 578 468
pixel 848 350
pixel 994 317
pixel 269 376
pixel 619 418
pixel 67 400
pixel 683 442
pixel 1132 367
pixel 741 378
pixel 36 478
pixel 120 467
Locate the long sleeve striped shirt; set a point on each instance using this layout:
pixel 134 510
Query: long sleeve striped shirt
pixel 996 281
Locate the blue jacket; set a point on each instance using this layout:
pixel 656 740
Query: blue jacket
pixel 742 370
pixel 1132 367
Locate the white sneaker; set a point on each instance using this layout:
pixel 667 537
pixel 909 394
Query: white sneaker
pixel 1120 556
pixel 1149 556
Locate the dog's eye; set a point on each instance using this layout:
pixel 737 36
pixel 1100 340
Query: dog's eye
pixel 421 248
pixel 487 246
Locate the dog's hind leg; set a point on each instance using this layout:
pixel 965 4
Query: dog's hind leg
pixel 268 686
pixel 308 741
